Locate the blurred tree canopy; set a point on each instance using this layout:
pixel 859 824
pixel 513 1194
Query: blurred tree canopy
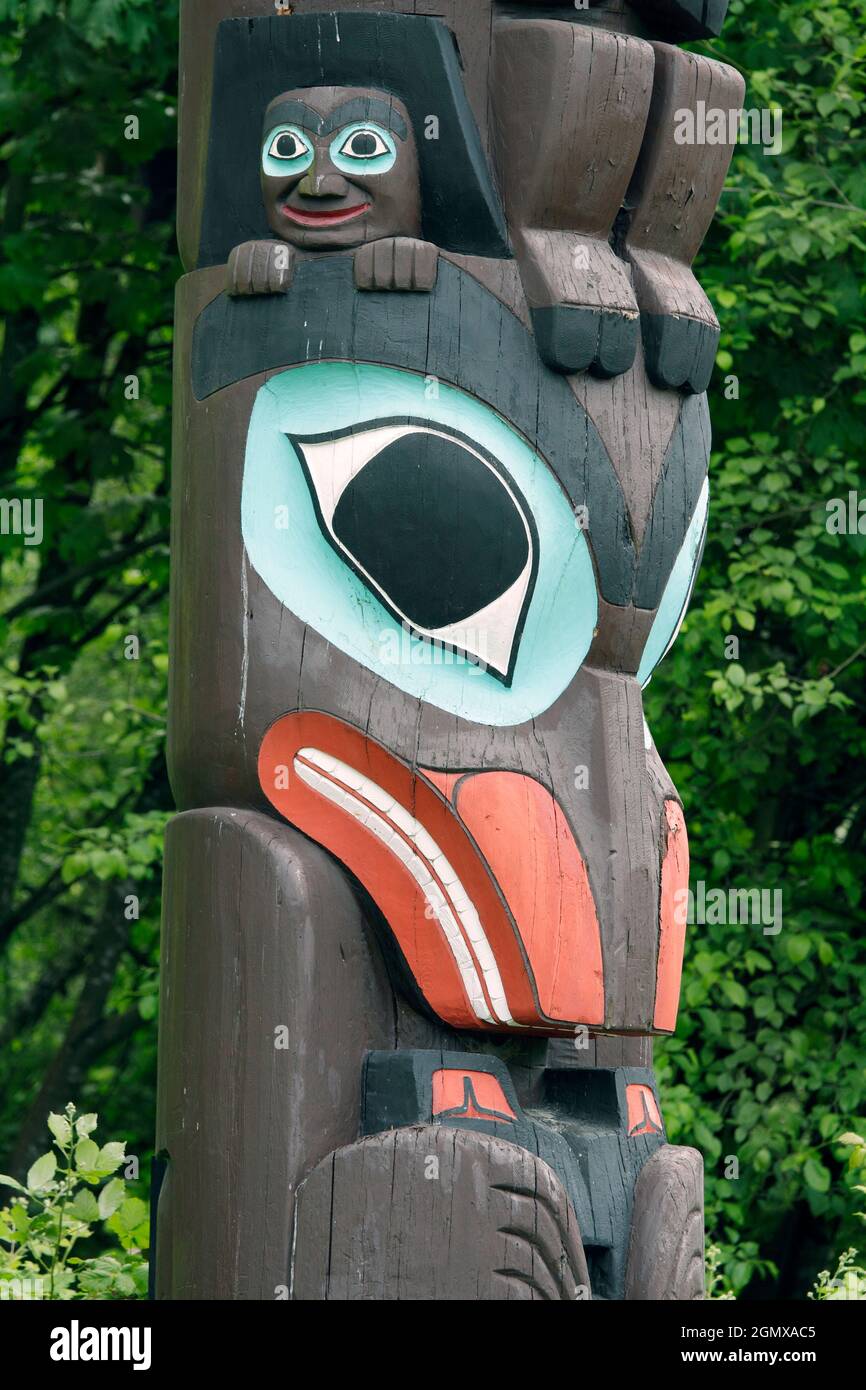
pixel 768 750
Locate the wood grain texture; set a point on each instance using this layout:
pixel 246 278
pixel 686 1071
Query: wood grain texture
pixel 666 1255
pixel 580 325
pixel 671 202
pixel 435 1214
pixel 582 90
pixel 242 660
pixel 260 932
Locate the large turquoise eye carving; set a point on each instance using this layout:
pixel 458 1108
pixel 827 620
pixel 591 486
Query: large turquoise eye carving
pixel 364 148
pixel 287 151
pixel 369 495
pixel 678 591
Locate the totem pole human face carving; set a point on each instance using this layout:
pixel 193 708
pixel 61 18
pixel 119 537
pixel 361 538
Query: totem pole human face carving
pixel 339 168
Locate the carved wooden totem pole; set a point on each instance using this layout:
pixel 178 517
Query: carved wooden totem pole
pixel 440 497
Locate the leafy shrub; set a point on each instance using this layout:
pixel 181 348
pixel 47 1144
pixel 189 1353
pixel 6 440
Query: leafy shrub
pixel 70 1190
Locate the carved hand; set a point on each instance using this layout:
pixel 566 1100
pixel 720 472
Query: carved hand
pixel 260 267
pixel 397 263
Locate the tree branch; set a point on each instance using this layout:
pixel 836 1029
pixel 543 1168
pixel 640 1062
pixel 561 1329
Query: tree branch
pixel 107 562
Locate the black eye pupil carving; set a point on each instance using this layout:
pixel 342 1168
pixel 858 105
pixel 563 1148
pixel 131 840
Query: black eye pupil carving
pixel 288 146
pixel 434 528
pixel 363 144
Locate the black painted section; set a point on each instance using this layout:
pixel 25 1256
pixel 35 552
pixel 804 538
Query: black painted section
pixel 684 19
pixel 580 1129
pixel 409 56
pixel 446 334
pixel 158 1170
pixel 572 339
pixel 680 352
pixel 675 499
pixel 427 495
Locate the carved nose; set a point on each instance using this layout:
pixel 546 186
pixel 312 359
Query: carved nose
pixel 315 185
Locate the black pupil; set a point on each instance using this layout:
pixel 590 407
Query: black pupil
pixel 434 527
pixel 288 146
pixel 363 144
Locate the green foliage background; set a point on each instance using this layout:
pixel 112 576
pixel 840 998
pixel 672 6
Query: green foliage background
pixel 767 751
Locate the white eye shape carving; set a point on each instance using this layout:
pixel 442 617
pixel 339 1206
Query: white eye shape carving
pixel 287 146
pixel 430 523
pixel 364 144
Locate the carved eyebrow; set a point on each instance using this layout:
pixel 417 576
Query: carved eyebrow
pixel 294 113
pixel 364 109
pixel 358 109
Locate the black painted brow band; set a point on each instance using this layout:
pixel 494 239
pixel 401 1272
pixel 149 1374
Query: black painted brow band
pixel 360 108
pixel 292 113
pixel 365 108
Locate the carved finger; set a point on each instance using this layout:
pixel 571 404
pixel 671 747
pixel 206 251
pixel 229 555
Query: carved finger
pixel 363 261
pixel 565 155
pixel 239 277
pixel 397 263
pixel 425 266
pixel 260 267
pixel 672 200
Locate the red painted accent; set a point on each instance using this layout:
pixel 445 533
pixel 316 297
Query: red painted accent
pixel 644 1116
pixel 470 1095
pixel 324 219
pixel 445 781
pixel 390 883
pixel 528 845
pixel 395 830
pixel 672 915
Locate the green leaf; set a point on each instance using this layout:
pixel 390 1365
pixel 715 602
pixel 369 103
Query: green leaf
pixel 110 1157
pixel 111 1197
pixel 736 993
pixel 86 1156
pixel 85 1124
pixel 83 1207
pixel 816 1175
pixel 60 1128
pixel 6 1181
pixel 798 948
pixel 42 1172
pixel 21 1221
pixel 131 1214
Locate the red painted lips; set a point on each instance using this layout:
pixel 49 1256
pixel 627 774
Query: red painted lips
pixel 324 219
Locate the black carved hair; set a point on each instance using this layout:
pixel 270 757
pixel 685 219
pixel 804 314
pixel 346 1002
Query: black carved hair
pixel 409 56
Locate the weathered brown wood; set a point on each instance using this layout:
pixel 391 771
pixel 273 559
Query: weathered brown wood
pixel 564 164
pixel 430 1214
pixel 673 198
pixel 440 468
pixel 272 992
pixel 666 1254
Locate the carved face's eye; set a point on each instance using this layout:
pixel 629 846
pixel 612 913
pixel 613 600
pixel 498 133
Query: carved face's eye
pixel 413 529
pixel 287 151
pixel 364 147
pixel 678 591
pixel 428 521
